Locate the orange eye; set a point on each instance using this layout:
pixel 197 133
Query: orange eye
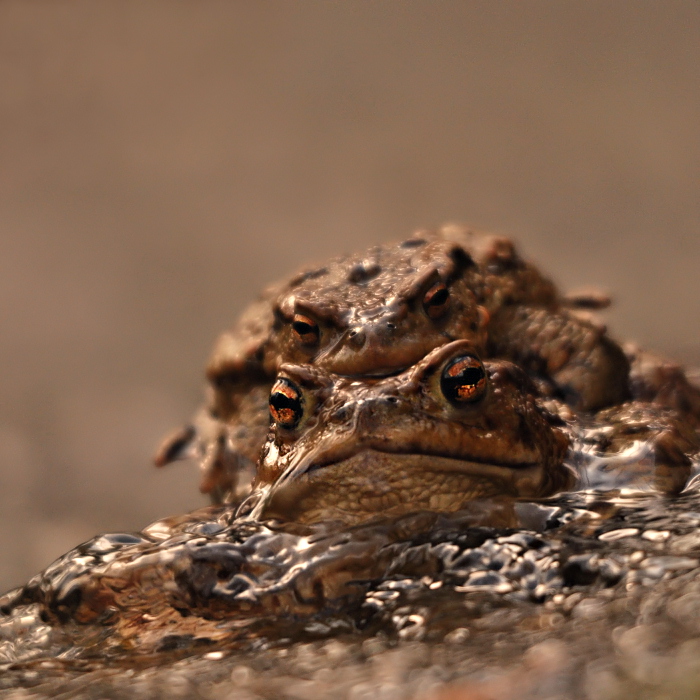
pixel 305 329
pixel 463 380
pixel 437 300
pixel 286 404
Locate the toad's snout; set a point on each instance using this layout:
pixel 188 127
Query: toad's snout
pixel 381 331
pixel 373 348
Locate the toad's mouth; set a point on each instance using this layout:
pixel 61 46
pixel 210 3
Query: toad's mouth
pixel 374 482
pixel 434 461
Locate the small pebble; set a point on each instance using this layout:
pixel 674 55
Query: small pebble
pixel 241 676
pixel 656 535
pixel 613 535
pixel 457 636
pixel 214 655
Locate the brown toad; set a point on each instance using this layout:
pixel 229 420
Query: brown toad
pixel 447 431
pixel 381 311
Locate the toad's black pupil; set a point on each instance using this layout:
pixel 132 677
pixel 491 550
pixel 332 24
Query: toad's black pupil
pixel 305 330
pixel 286 404
pixel 439 298
pixel 463 380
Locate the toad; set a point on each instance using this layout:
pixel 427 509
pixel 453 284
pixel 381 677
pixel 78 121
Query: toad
pixel 381 311
pixel 449 430
pixel 375 314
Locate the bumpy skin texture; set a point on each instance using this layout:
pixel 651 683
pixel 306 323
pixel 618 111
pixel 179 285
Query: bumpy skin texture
pixel 658 379
pixel 636 445
pixel 659 440
pixel 396 445
pixel 372 318
pixel 586 367
pixel 374 314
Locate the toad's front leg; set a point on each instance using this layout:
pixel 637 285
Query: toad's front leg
pixel 226 447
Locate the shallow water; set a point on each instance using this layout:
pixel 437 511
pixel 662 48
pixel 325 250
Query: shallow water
pixel 221 605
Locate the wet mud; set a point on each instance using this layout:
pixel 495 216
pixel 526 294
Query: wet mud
pixel 596 597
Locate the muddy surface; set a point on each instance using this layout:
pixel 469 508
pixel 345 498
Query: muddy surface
pixel 594 596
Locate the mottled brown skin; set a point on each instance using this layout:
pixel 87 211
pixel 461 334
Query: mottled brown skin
pixel 643 445
pixel 385 447
pixel 371 319
pixel 659 380
pixel 369 312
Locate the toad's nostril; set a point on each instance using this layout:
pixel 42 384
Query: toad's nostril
pixel 342 414
pixel 357 338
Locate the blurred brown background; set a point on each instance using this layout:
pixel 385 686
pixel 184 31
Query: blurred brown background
pixel 161 161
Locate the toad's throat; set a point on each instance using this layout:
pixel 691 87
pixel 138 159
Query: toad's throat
pixel 371 483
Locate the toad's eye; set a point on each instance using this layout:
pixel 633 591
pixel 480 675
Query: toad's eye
pixel 437 300
pixel 463 380
pixel 286 404
pixel 305 329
